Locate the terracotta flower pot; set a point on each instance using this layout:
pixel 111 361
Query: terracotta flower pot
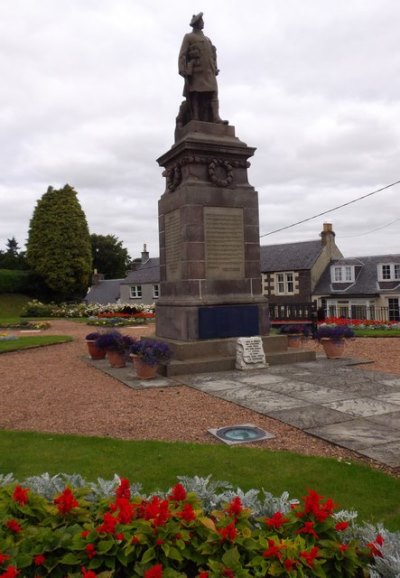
pixel 116 359
pixel 333 348
pixel 94 351
pixel 294 340
pixel 144 370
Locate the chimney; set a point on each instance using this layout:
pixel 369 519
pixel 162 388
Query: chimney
pixel 97 277
pixel 327 234
pixel 145 254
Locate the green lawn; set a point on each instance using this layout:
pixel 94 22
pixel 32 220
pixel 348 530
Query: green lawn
pixel 156 464
pixel 26 342
pixel 11 306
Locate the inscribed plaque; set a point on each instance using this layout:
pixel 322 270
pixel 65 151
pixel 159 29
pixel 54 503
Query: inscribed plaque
pixel 173 245
pixel 224 242
pixel 250 353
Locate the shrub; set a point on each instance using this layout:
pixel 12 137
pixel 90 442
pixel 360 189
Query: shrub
pixel 50 528
pixel 14 281
pixel 295 330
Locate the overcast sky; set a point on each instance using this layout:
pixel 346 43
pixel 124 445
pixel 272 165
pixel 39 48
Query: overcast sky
pixel 90 92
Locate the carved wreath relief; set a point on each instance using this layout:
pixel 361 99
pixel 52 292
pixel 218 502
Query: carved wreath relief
pixel 220 172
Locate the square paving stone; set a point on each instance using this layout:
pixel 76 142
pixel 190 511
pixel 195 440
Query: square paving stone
pixel 393 397
pixel 263 402
pixel 309 416
pixel 395 383
pixel 391 420
pixel 388 454
pixel 287 386
pixel 215 386
pixel 356 434
pixel 362 407
pixel 320 395
pixel 261 379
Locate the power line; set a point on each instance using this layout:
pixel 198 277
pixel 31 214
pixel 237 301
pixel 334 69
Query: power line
pixel 371 231
pixel 330 210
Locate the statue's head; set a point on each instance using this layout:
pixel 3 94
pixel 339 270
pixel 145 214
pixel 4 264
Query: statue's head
pixel 197 20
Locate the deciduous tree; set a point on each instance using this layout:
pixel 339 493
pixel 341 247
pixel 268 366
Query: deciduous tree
pixel 109 256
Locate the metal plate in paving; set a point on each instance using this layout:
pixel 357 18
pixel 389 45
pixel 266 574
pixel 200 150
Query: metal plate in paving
pixel 240 434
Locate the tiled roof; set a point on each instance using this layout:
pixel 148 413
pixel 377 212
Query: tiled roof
pixel 149 272
pixel 290 256
pixel 366 281
pixel 106 291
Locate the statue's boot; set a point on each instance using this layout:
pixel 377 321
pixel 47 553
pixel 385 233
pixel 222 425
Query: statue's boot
pixel 215 112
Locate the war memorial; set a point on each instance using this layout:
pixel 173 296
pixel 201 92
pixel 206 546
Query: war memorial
pixel 210 279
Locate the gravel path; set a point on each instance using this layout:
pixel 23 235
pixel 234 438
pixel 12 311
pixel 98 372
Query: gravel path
pixel 52 389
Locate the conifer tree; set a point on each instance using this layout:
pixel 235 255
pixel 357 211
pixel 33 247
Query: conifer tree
pixel 59 247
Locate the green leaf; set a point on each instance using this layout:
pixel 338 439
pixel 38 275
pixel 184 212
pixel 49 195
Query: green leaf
pixel 104 546
pixel 231 558
pixel 70 559
pixel 148 556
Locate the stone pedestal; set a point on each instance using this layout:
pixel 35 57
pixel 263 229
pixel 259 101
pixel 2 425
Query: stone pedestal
pixel 209 239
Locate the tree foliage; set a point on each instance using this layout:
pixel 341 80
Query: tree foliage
pixel 109 256
pixel 58 247
pixel 12 257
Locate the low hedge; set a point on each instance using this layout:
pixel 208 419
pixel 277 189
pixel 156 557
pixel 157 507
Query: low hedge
pixel 14 281
pixel 62 526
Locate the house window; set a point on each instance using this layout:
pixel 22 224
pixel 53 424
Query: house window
pixel 284 283
pixel 342 274
pixel 136 291
pixel 156 291
pixel 394 309
pixel 389 272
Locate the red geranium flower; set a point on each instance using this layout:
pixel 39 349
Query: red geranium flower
pixel 203 575
pixel 229 532
pixel 13 525
pixel 11 572
pixel 276 521
pixel 340 526
pixel 178 493
pixel 108 525
pixel 39 559
pixel 274 550
pixel 124 489
pixel 343 547
pixel 20 495
pixel 235 506
pixel 90 551
pixel 154 572
pixel 290 564
pixel 85 534
pixel 187 513
pixel 310 555
pixel 66 502
pixel 308 528
pixel 4 557
pixel 228 572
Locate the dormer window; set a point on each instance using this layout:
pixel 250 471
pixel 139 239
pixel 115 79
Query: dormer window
pixel 389 272
pixel 342 273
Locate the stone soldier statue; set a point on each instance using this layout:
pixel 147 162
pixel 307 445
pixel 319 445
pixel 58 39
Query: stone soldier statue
pixel 198 66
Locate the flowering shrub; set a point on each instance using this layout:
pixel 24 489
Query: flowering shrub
pixel 87 531
pixel 116 321
pixel 334 332
pixel 151 352
pixel 363 323
pixel 35 308
pixel 27 325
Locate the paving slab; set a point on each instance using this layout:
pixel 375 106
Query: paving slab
pixel 361 406
pixel 357 434
pixel 309 416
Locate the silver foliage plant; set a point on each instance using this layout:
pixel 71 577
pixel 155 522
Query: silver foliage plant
pixel 213 494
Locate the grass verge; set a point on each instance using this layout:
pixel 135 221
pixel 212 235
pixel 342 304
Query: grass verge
pixel 27 342
pixel 157 464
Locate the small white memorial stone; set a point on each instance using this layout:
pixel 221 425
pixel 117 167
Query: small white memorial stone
pixel 250 353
